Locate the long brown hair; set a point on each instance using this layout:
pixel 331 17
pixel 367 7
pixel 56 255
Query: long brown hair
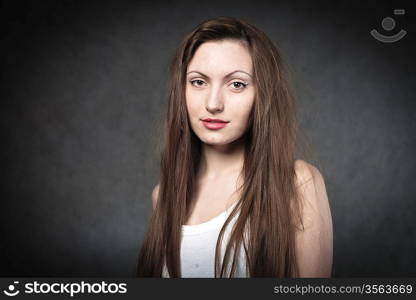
pixel 269 206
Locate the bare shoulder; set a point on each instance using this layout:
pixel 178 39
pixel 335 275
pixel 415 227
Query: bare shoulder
pixel 314 243
pixel 155 195
pixel 306 172
pixel 311 187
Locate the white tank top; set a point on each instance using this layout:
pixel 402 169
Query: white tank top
pixel 198 244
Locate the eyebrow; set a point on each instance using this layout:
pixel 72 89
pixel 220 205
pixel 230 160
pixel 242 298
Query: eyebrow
pixel 226 76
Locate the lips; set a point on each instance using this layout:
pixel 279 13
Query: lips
pixel 214 124
pixel 214 120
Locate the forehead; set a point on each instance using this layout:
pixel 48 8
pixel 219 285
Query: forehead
pixel 221 57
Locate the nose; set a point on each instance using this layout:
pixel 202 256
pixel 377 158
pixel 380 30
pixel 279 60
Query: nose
pixel 215 101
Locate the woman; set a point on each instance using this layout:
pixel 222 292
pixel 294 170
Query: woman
pixel 229 179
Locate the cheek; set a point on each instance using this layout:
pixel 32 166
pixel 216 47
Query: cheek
pixel 194 104
pixel 188 101
pixel 192 109
pixel 243 107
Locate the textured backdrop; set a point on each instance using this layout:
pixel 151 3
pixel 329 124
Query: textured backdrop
pixel 82 90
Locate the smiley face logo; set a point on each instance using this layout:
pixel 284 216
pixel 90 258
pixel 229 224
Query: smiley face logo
pixel 388 24
pixel 11 291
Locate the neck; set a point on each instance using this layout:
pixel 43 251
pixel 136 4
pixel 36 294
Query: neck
pixel 221 160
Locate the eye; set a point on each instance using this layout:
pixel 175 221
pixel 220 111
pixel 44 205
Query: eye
pixel 239 85
pixel 198 82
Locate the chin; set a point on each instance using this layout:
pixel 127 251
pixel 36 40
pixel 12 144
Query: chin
pixel 214 142
pixel 217 140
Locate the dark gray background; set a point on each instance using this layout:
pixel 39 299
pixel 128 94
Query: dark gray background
pixel 82 90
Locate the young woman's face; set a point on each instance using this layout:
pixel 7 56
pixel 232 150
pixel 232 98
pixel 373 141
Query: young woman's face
pixel 219 85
